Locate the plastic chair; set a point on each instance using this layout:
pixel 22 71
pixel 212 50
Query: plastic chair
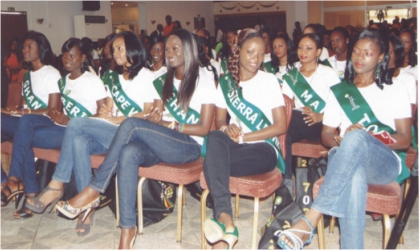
pixel 257 186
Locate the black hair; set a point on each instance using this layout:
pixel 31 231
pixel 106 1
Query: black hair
pixel 343 31
pixel 191 71
pixel 225 51
pixel 44 47
pixel 154 40
pixel 398 50
pixel 291 53
pixel 314 27
pixel 135 53
pixel 204 61
pixel 316 39
pixel 395 31
pixel 105 63
pixel 384 75
pixel 412 58
pixel 69 44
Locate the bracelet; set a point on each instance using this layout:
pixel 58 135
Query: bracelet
pixel 223 128
pixel 241 139
pixel 181 127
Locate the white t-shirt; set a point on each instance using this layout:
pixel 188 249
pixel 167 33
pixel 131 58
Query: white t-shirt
pixel 412 70
pixel 160 72
pixel 388 104
pixel 44 82
pixel 204 93
pixel 138 89
pixel 324 54
pixel 320 81
pixel 267 57
pixel 407 80
pixel 281 73
pixel 216 65
pixel 263 91
pixel 338 66
pixel 86 90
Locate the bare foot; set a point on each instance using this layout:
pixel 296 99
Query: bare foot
pixel 127 236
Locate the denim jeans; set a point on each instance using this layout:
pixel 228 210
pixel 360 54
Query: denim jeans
pixel 32 131
pixel 3 176
pixel 8 126
pixel 139 142
pixel 226 158
pixel 82 138
pixel 360 160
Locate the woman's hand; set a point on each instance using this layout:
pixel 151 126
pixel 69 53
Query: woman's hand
pixel 153 115
pixel 311 117
pixel 58 117
pixel 10 110
pixel 354 126
pixel 233 131
pixel 105 112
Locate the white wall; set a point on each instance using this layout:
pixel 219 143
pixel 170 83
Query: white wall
pixel 295 10
pixel 58 23
pixel 182 11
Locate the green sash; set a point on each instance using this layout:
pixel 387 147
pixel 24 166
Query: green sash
pixel 105 76
pixel 350 100
pixel 192 116
pixel 303 91
pixel 73 108
pixel 327 63
pixel 269 68
pixel 121 100
pixel 249 114
pixel 31 99
pixel 224 65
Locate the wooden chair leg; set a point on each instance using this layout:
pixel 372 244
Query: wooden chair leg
pixel 184 197
pixel 332 224
pixel 255 223
pixel 237 206
pixel 387 229
pixel 140 205
pixel 117 204
pixel 203 208
pixel 321 234
pixel 180 202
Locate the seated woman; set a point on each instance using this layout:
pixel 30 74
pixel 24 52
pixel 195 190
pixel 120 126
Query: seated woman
pixel 366 102
pixel 12 61
pixel 408 38
pixel 178 139
pixel 157 51
pixel 340 39
pixel 128 95
pixel 308 85
pixel 107 62
pixel 82 95
pixel 40 94
pixel 314 29
pixel 267 34
pixel 248 145
pixel 223 56
pixel 283 55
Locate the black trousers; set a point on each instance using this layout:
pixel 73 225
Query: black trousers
pixel 226 158
pixel 299 130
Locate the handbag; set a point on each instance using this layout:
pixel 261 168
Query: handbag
pixel 285 213
pixel 196 191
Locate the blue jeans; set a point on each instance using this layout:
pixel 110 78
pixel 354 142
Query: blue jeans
pixel 360 160
pixel 137 143
pixel 32 131
pixel 8 126
pixel 82 138
pixel 3 176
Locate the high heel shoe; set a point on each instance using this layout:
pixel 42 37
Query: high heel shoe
pixel 214 230
pixel 15 195
pixel 231 237
pixel 38 207
pixel 85 227
pixel 295 240
pixel 23 212
pixel 71 212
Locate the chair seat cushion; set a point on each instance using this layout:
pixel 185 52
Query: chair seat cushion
pixel 260 186
pixel 175 173
pixel 307 148
pixel 381 199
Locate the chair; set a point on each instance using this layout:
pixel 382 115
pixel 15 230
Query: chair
pixel 180 174
pixel 381 199
pixel 257 186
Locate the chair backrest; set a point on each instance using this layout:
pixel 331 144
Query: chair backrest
pixel 14 97
pixel 289 110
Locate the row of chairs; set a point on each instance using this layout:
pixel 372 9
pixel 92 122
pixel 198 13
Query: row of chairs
pixel 257 186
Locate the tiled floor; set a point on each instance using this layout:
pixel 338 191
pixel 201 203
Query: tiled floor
pixel 48 231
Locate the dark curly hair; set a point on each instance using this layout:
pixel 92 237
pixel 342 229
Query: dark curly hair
pixel 384 74
pixel 233 64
